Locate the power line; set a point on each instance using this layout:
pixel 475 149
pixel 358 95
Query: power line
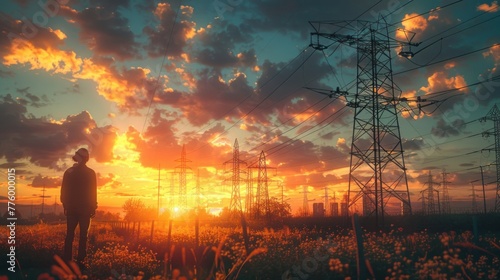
pixel 259 103
pixel 447 59
pixel 425 13
pixel 161 67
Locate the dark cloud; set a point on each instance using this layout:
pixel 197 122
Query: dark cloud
pixel 44 142
pixel 108 180
pixel 40 181
pixel 40 37
pixel 111 5
pixel 218 47
pixel 172 33
pixel 292 17
pixel 124 194
pixel 104 30
pixel 6 74
pixel 212 98
pixel 415 144
pixel 13 165
pixel 32 99
pixel 22 3
pixel 446 129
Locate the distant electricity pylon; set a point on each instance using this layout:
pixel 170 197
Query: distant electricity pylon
pixel 235 204
pixel 198 191
pixel 429 202
pixel 305 202
pixel 377 169
pixel 446 195
pixel 262 199
pixel 249 199
pixel 181 170
pixel 257 201
pixel 494 115
pixel 474 196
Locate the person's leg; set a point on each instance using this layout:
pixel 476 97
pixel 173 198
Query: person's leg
pixel 84 221
pixel 71 223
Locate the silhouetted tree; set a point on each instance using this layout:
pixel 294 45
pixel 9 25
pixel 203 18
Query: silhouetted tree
pixel 278 209
pixel 136 211
pixel 106 216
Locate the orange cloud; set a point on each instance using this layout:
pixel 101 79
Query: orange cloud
pixel 439 81
pixel 488 8
pixel 494 52
pixel 188 78
pixel 48 59
pixel 108 85
pixel 412 22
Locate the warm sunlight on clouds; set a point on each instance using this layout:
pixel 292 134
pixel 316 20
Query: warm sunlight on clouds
pixel 110 84
pixel 48 59
pixel 136 82
pixel 186 57
pixel 440 81
pixel 494 52
pixel 59 33
pixel 491 8
pixel 412 22
pixel 188 78
pixel 449 65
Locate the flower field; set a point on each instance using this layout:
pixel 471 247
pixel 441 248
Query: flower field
pixel 285 253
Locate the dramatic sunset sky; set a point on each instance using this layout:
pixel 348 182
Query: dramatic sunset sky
pixel 135 81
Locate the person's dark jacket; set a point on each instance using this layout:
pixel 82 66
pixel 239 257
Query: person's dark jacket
pixel 79 189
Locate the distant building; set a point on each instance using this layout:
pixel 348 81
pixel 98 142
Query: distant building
pixel 334 209
pixel 318 210
pixel 343 209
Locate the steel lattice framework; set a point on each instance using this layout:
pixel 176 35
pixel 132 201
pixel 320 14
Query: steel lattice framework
pixel 262 197
pixel 494 115
pixel 446 196
pixel 235 204
pixel 182 170
pixel 377 169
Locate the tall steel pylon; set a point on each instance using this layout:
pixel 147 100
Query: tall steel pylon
pixel 494 115
pixel 446 195
pixel 474 200
pixel 305 201
pixel 249 201
pixel 377 173
pixel 198 191
pixel 262 196
pixel 430 204
pixel 182 170
pixel 235 204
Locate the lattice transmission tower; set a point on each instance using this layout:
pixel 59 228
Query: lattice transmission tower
pixel 249 198
pixel 429 203
pixel 446 195
pixel 236 171
pixel 377 174
pixel 494 115
pixel 182 170
pixel 474 198
pixel 259 203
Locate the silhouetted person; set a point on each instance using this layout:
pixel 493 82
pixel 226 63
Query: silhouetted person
pixel 79 199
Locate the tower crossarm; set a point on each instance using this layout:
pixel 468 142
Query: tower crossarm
pixel 356 33
pixel 367 101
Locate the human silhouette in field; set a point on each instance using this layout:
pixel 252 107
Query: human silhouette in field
pixel 79 199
